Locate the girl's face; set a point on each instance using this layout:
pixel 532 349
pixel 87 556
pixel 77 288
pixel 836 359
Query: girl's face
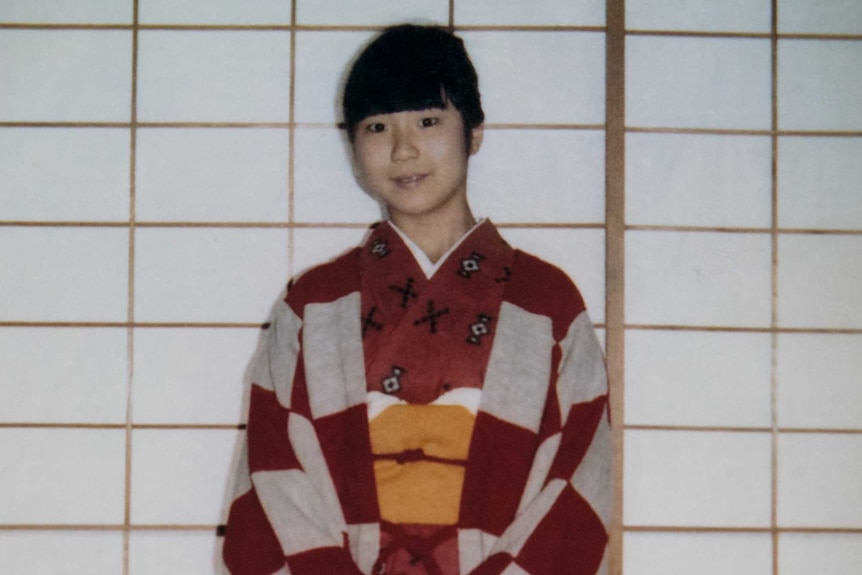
pixel 416 161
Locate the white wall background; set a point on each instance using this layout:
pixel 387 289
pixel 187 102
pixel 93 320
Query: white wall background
pixel 165 166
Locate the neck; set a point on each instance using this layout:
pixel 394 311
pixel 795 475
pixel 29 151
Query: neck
pixel 435 236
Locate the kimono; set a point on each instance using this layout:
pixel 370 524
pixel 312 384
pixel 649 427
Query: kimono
pixel 456 425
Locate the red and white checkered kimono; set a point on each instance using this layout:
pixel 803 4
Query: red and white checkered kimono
pixel 443 426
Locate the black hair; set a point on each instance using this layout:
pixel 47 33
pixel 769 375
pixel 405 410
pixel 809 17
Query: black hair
pixel 409 67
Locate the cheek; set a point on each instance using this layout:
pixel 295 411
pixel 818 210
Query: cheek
pixel 451 150
pixel 455 157
pixel 368 161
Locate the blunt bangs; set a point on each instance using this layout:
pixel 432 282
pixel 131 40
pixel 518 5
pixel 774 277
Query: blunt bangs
pixel 410 68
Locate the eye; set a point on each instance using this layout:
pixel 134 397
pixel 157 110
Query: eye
pixel 375 127
pixel 428 122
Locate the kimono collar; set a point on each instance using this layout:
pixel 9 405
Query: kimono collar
pixel 482 242
pixel 422 259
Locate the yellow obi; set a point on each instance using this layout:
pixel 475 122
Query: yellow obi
pixel 419 455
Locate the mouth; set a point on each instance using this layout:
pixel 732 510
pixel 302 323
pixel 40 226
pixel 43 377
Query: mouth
pixel 410 181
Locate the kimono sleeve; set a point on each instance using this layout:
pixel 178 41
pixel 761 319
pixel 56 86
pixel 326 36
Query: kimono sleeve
pixel 281 516
pixel 562 524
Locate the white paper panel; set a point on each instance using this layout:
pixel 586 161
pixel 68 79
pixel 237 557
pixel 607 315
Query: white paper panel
pixel 701 553
pixel 818 17
pixel 61 552
pixel 538 12
pixel 818 183
pixel 697 180
pixel 63 375
pixel 820 279
pixel 712 279
pixel 160 552
pixel 231 12
pixel 67 12
pixel 191 175
pixel 825 554
pixel 820 381
pixel 372 12
pixel 64 174
pixel 699 15
pixel 191 375
pixel 706 479
pixel 181 477
pixel 818 480
pixel 539 77
pixel 208 275
pixel 698 378
pixel 698 82
pixel 539 176
pixel 819 87
pixel 64 274
pixel 62 476
pixel 66 75
pixel 214 76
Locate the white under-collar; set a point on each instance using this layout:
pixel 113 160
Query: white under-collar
pixel 425 263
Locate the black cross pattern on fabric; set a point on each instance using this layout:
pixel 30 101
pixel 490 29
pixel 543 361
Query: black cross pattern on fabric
pixel 369 323
pixel 407 292
pixel 431 316
pixel 392 384
pixel 380 248
pixel 507 275
pixel 470 265
pixel 480 329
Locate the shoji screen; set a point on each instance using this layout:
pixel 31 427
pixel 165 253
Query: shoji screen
pixel 166 166
pixel 743 267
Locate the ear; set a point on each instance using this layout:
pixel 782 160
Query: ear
pixel 476 135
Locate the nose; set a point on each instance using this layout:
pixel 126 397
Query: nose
pixel 403 145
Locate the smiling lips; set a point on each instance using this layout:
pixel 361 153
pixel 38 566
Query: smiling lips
pixel 409 182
